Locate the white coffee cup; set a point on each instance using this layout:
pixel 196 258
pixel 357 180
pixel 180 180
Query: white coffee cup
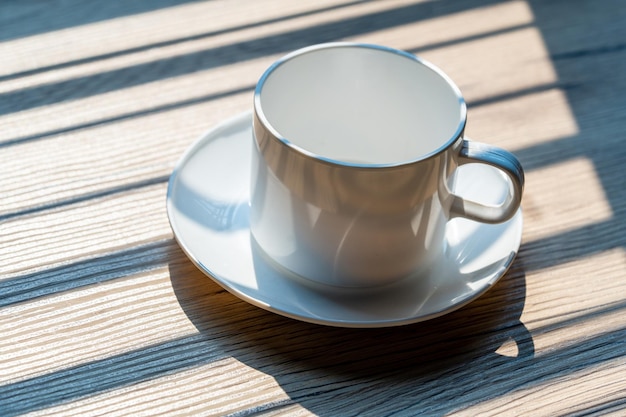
pixel 355 148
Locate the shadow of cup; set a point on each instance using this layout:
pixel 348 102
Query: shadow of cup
pixel 302 356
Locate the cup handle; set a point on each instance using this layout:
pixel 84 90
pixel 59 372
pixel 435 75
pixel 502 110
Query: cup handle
pixel 475 152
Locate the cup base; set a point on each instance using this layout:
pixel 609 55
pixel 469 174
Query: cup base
pixel 325 286
pixel 216 169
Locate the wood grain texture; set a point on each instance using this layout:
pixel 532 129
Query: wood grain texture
pixel 101 313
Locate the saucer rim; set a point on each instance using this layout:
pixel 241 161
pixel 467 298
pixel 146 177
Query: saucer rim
pixel 235 289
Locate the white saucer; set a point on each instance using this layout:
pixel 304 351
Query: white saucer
pixel 207 205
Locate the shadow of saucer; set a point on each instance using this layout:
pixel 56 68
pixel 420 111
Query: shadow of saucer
pixel 438 365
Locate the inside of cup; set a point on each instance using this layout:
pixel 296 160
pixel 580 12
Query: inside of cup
pixel 363 105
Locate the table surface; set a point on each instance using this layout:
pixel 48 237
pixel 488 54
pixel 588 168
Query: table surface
pixel 101 313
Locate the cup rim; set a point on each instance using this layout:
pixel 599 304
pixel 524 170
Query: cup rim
pixel 260 115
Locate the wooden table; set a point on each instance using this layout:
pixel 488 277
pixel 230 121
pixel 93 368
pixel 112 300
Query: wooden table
pixel 101 313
